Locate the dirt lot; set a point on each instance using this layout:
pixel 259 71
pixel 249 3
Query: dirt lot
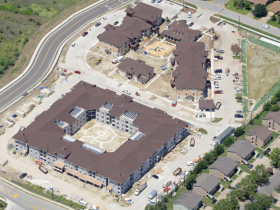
pixel 159 49
pixel 161 86
pixel 101 136
pixel 263 70
pixel 207 40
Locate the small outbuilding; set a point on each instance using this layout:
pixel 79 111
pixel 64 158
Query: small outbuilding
pixel 226 133
pixel 20 113
pixel 46 92
pixel 3 162
pixel 37 100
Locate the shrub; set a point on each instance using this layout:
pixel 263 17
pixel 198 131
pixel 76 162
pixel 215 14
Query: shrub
pixel 273 17
pixel 38 23
pixel 30 19
pixel 202 130
pixel 266 106
pixel 239 131
pixel 247 5
pixel 275 108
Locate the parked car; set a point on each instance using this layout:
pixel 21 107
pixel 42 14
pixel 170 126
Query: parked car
pixel 238 116
pixel 97 24
pixel 218 71
pixel 238 88
pixel 73 44
pixel 274 202
pixel 77 72
pixel 220 51
pixel 266 26
pixel 116 23
pixel 159 1
pixel 128 200
pixel 249 167
pixel 191 24
pixel 84 34
pixel 153 1
pixel 155 176
pixel 214 201
pixel 217 74
pixel 190 163
pixel 23 175
pixel 218 57
pixel 216 85
pixel 126 91
pixel 267 151
pixel 103 19
pixel 261 156
pixel 213 144
pixel 239 111
pixel 217 78
pixel 218 92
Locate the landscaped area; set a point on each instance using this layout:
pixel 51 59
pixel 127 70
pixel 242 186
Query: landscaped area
pixel 230 5
pixel 244 168
pixel 274 23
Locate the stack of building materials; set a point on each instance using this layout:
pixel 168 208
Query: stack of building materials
pixel 2 130
pixel 9 123
pixel 20 113
pixel 3 162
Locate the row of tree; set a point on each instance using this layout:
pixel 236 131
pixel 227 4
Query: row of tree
pixel 246 189
pixel 273 105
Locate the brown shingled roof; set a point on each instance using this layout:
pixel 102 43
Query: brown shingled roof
pixel 158 127
pixel 275 7
pixel 180 30
pixel 137 67
pixel 260 131
pixel 206 104
pixel 258 1
pixel 144 11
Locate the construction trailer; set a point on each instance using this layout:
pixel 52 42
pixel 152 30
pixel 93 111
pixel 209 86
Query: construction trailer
pixel 226 133
pixel 46 92
pixel 36 100
pixel 20 113
pixel 3 162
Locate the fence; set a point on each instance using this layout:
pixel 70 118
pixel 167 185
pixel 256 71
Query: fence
pixel 244 73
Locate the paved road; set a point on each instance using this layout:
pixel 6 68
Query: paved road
pixel 217 8
pixel 47 53
pixel 273 182
pixel 25 200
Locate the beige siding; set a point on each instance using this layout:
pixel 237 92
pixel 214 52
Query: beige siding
pixel 234 156
pixel 257 141
pixel 196 93
pixel 199 191
pixel 217 173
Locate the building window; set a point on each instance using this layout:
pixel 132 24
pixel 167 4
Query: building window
pixel 193 90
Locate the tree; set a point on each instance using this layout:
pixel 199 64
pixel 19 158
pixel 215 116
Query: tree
pixel 189 181
pixel 219 149
pixel 273 100
pixel 239 131
pixel 260 10
pixel 247 5
pixel 228 141
pixel 273 18
pixel 279 20
pixel 275 108
pixel 260 174
pixel 230 203
pixel 200 166
pixel 239 3
pixel 277 94
pixel 38 23
pixel 266 106
pixel 275 157
pixel 260 202
pixel 269 170
pixel 246 188
pixel 210 157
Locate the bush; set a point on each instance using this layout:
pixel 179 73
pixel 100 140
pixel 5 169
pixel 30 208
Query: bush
pixel 228 141
pixel 202 130
pixel 38 23
pixel 266 106
pixel 273 17
pixel 260 10
pixel 239 131
pixel 275 108
pixel 247 5
pixel 273 100
pixel 30 19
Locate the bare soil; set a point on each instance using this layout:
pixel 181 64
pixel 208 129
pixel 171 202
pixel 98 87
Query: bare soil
pixel 207 40
pixel 161 86
pixel 263 70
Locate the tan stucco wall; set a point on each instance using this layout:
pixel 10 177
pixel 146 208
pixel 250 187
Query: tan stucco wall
pixel 234 156
pixel 197 94
pixel 216 173
pixel 200 191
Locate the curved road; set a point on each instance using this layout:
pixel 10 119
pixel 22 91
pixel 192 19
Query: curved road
pixel 49 49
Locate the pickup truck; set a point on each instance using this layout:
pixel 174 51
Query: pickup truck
pixel 192 142
pixel 177 171
pixel 218 105
pixel 236 76
pixel 141 188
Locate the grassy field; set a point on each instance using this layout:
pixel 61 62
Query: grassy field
pixel 170 201
pixel 244 168
pixel 262 70
pixel 274 23
pixel 260 151
pixel 23 23
pixel 230 6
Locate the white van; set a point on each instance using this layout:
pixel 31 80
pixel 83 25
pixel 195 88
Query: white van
pixel 266 26
pixel 73 44
pixel 189 14
pixel 190 163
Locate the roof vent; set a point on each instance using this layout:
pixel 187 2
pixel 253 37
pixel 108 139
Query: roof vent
pixel 22 134
pixel 203 51
pixel 124 96
pixel 177 72
pixel 119 174
pixel 206 101
pixel 64 148
pixel 83 83
pixel 94 86
pixel 178 121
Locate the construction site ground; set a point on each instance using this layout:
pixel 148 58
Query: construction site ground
pixel 263 67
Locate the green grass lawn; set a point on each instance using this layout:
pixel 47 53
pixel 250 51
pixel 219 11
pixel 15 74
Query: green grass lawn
pixel 207 201
pixel 258 122
pixel 170 201
pixel 230 6
pixel 252 160
pixel 246 130
pixel 206 171
pixel 234 177
pixel 226 184
pixel 260 151
pixel 273 23
pixel 257 18
pixel 274 207
pixel 216 194
pixel 3 204
pixel 244 168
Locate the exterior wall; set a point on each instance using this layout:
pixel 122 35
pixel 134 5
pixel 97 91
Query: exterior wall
pixel 207 110
pixel 196 93
pixel 115 51
pixel 19 146
pixel 216 173
pixel 257 141
pixel 200 191
pixel 232 172
pixel 134 77
pixel 268 123
pixel 276 126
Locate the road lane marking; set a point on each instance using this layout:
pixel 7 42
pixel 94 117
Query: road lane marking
pixel 50 48
pixel 35 208
pixel 8 192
